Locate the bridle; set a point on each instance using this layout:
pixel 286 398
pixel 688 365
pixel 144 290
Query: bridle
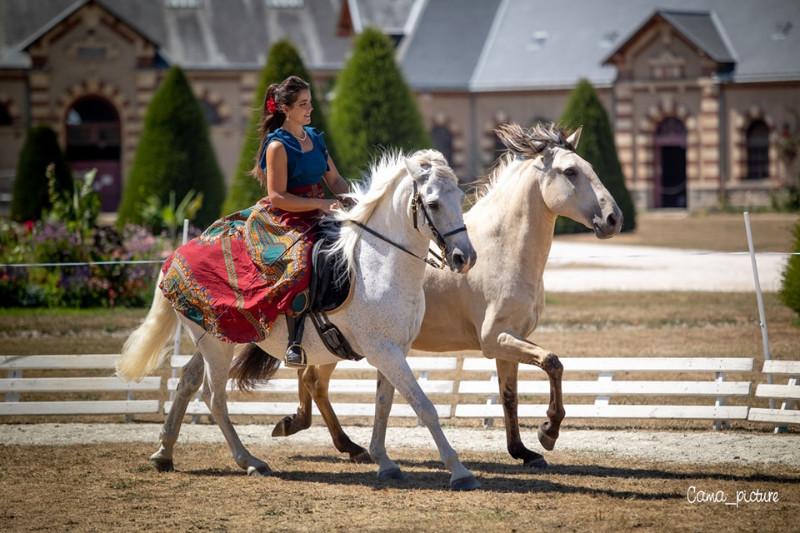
pixel 417 205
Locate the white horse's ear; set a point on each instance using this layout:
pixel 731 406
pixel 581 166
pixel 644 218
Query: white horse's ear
pixel 575 137
pixel 416 170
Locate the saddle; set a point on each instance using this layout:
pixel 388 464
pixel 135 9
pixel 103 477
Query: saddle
pixel 329 289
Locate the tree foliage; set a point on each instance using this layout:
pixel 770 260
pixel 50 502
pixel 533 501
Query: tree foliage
pixel 598 148
pixel 283 61
pixel 790 287
pixel 174 154
pixel 30 192
pixel 373 108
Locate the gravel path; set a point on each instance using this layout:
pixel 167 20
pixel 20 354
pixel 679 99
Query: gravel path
pixel 701 447
pixel 614 267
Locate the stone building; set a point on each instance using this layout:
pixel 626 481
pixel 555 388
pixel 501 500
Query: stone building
pixel 700 92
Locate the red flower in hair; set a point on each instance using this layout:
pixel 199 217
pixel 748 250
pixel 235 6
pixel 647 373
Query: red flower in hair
pixel 271 107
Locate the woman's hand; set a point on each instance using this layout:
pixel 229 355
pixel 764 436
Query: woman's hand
pixel 327 205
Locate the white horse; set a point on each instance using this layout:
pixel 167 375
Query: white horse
pixel 381 318
pixel 496 307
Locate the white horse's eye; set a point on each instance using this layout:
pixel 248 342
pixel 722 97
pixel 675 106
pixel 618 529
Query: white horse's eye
pixel 433 205
pixel 570 172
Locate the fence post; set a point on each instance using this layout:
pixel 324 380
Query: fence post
pixel 719 377
pixel 762 316
pixel 13 374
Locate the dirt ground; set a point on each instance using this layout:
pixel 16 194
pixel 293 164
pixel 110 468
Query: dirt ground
pixel 112 488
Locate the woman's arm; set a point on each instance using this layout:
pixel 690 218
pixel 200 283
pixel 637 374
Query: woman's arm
pixel 336 183
pixel 277 180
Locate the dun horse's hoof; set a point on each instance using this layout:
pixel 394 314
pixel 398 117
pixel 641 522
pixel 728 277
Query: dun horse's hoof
pixel 361 457
pixel 465 483
pixel 162 465
pixel 536 462
pixel 391 474
pixel 258 471
pixel 547 442
pixel 281 429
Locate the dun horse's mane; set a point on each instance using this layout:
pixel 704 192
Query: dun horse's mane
pixel 525 143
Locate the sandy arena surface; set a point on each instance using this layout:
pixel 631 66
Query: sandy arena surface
pixel 614 267
pixel 700 447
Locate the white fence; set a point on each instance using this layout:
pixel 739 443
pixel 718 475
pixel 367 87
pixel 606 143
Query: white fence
pixel 697 388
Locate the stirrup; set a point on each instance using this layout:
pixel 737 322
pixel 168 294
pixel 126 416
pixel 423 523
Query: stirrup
pixel 295 356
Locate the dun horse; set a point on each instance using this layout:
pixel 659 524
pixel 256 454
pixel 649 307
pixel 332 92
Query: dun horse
pixel 380 320
pixel 495 308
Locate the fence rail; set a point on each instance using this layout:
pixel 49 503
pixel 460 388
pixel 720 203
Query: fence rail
pixel 459 386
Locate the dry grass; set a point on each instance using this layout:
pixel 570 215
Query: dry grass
pixel 112 488
pixel 772 232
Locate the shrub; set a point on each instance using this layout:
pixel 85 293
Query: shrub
pixel 30 194
pixel 174 154
pixel 598 148
pixel 790 287
pixel 373 108
pixel 93 285
pixel 283 61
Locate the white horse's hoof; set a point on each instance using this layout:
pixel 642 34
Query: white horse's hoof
pixel 391 473
pixel 258 471
pixel 465 483
pixel 162 465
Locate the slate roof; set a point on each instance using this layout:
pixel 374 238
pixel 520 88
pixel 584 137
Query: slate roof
pixel 542 44
pixel 219 34
pixel 445 45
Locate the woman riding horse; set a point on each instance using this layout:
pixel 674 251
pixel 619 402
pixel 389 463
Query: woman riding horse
pixel 237 298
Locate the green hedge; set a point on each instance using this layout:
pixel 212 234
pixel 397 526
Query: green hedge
pixel 790 288
pixel 598 148
pixel 30 194
pixel 174 154
pixel 373 108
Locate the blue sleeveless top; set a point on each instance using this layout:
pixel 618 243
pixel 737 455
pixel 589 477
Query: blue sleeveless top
pixel 303 168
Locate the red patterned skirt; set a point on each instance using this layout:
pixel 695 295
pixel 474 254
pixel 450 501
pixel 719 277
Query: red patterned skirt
pixel 245 270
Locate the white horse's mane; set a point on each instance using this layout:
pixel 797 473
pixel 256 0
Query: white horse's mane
pixel 385 175
pixel 528 143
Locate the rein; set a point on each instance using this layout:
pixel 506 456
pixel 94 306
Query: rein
pixel 418 205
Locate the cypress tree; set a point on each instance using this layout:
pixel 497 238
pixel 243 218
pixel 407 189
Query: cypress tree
pixel 283 61
pixel 30 194
pixel 790 287
pixel 598 148
pixel 174 154
pixel 373 108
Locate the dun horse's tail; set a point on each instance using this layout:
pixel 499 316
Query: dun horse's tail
pixel 251 366
pixel 146 348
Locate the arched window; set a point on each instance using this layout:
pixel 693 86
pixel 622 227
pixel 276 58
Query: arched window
pixel 757 150
pixel 5 115
pixel 443 141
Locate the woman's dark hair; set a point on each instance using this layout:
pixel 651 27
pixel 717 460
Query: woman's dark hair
pixel 283 93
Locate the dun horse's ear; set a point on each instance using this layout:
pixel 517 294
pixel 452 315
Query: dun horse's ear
pixel 575 137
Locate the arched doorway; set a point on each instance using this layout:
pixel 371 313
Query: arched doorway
pixel 93 141
pixel 670 163
pixel 757 141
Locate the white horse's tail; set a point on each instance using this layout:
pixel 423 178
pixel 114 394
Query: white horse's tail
pixel 146 348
